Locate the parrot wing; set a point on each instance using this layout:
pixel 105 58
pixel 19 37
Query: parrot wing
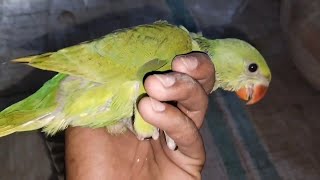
pixel 118 55
pixel 117 60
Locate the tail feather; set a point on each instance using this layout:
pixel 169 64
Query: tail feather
pixel 23 60
pixel 30 58
pixel 6 132
pixel 27 126
pixel 34 112
pixel 10 130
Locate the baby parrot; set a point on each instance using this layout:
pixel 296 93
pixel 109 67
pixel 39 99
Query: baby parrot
pixel 99 82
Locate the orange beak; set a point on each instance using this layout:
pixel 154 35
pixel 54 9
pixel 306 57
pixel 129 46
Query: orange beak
pixel 252 95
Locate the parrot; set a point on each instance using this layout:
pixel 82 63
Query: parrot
pixel 99 82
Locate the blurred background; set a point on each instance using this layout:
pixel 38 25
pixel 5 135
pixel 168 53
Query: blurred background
pixel 274 139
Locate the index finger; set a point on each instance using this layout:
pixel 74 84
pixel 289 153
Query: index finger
pixel 197 65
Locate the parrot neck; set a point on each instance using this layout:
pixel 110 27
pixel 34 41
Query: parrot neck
pixel 210 47
pixel 205 45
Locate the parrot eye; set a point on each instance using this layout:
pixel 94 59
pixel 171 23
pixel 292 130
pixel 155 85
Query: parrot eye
pixel 253 67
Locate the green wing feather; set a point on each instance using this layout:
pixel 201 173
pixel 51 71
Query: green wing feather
pixel 118 55
pixel 98 81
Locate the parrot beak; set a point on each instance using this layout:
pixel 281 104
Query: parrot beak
pixel 252 94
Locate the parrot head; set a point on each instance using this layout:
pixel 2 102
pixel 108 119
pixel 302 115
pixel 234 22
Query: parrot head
pixel 240 68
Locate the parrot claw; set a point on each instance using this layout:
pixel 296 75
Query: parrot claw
pixel 170 142
pixel 155 135
pixel 141 138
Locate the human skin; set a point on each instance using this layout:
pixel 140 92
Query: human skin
pixel 95 154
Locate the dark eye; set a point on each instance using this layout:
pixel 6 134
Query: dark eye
pixel 253 67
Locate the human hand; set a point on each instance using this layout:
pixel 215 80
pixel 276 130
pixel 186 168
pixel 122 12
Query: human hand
pixel 94 154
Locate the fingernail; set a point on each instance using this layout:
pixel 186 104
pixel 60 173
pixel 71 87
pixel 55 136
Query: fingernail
pixel 191 63
pixel 156 105
pixel 166 80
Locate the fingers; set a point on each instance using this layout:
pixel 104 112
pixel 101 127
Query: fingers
pixel 198 66
pixel 189 94
pixel 188 85
pixel 178 126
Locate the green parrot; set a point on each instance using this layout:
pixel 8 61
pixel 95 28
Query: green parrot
pixel 99 82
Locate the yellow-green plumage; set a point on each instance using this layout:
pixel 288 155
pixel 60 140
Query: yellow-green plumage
pixel 99 81
pixel 35 108
pixel 118 55
pixel 102 78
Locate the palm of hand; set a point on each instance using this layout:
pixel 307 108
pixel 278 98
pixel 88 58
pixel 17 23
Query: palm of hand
pixel 125 157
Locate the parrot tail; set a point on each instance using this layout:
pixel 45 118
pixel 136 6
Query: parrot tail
pixel 30 59
pixel 23 60
pixel 6 129
pixel 33 112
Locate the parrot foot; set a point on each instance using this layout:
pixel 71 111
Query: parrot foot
pixel 142 129
pixel 170 142
pixel 141 134
pixel 155 135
